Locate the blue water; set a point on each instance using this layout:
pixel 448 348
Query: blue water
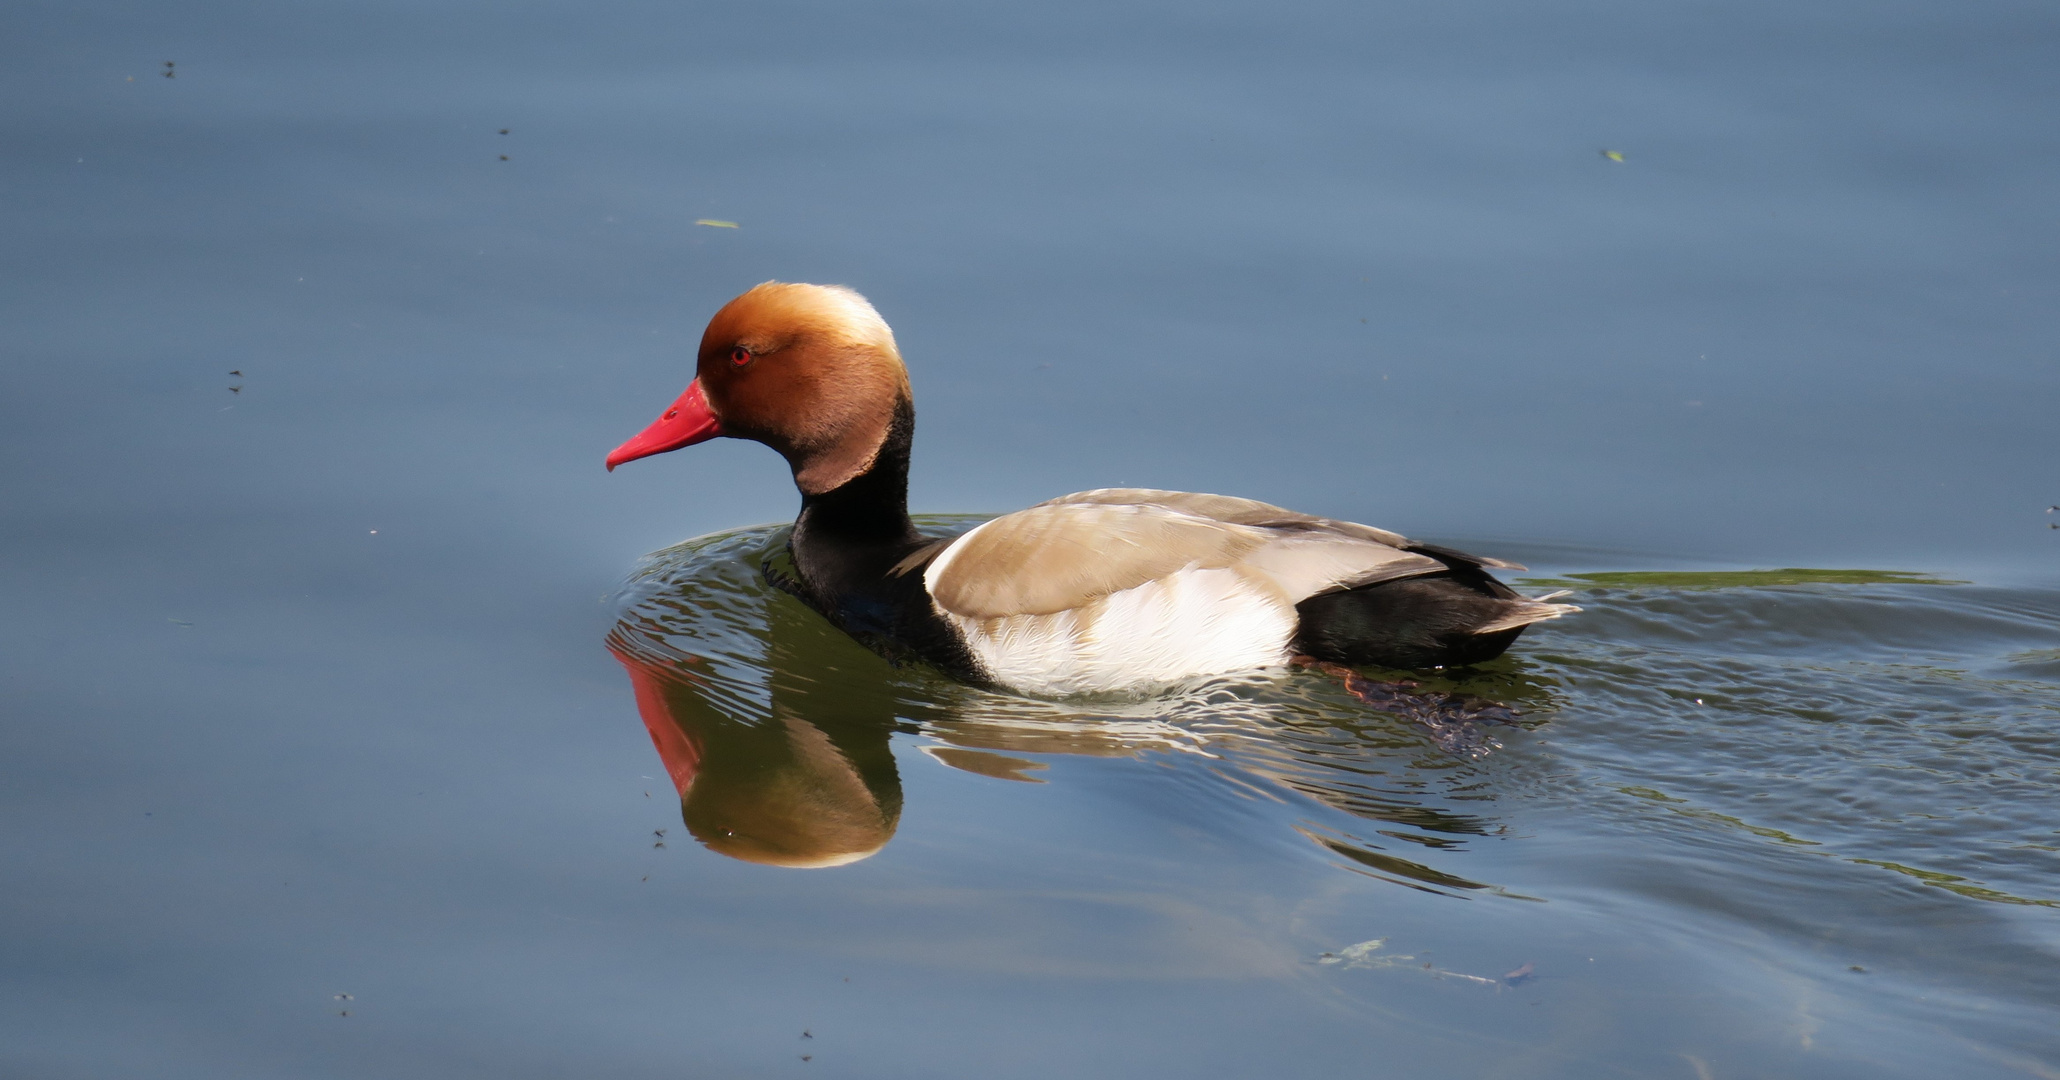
pixel 305 679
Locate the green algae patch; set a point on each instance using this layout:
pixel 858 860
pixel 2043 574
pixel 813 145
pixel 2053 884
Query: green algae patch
pixel 1957 884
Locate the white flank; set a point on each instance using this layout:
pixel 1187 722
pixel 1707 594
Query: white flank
pixel 1191 622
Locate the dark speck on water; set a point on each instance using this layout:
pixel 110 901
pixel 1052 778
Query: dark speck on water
pixel 1454 270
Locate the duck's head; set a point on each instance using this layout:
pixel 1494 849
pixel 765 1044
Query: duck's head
pixel 809 370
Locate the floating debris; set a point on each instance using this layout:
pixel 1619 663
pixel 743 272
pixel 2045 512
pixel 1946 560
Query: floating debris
pixel 713 223
pixel 1367 954
pixel 1353 954
pixel 169 73
pixel 1614 155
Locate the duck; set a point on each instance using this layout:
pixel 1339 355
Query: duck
pixel 1115 590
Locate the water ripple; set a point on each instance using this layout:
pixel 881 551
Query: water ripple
pixel 1909 728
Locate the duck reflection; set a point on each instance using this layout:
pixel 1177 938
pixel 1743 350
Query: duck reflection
pixel 810 784
pixel 776 730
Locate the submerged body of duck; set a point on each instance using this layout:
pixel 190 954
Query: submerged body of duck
pixel 1107 590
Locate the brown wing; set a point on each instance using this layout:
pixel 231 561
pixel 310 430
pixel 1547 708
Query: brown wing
pixel 1228 508
pixel 1065 554
pixel 1056 557
pixel 1238 511
pixel 1302 562
pixel 1231 509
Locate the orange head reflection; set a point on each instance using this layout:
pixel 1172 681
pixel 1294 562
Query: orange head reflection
pixel 788 791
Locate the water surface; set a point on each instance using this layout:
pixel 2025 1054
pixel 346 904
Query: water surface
pixel 315 603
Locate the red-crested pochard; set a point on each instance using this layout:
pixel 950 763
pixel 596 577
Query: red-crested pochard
pixel 1109 590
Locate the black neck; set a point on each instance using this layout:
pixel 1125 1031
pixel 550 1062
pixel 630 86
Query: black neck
pixel 846 545
pixel 872 507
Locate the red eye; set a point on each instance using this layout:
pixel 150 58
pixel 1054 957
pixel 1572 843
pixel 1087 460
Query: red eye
pixel 740 356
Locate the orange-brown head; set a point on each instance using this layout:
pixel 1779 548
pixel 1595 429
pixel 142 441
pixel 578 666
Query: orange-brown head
pixel 809 370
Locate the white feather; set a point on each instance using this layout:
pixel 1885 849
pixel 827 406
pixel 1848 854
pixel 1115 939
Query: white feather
pixel 1189 623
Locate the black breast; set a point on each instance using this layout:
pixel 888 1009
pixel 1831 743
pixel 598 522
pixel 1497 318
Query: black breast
pixel 858 590
pixel 851 549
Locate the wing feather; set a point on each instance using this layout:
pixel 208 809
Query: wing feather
pixel 1070 552
pixel 1227 508
pixel 1306 562
pixel 1253 512
pixel 1054 558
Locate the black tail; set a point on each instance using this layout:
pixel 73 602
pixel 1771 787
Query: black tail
pixel 1459 616
pixel 1419 622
